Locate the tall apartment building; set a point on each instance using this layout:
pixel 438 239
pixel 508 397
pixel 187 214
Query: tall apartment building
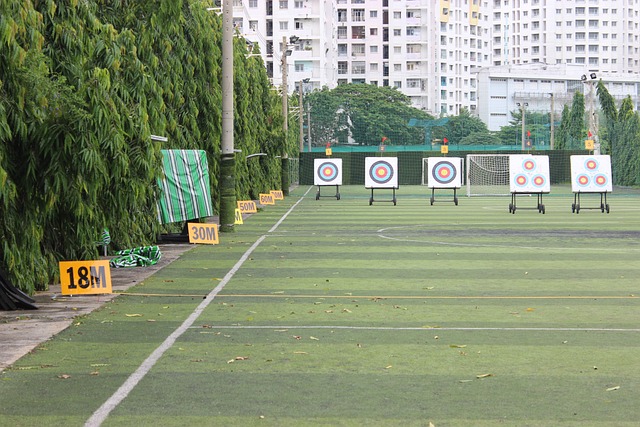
pixel 428 51
pixel 601 35
pixel 433 50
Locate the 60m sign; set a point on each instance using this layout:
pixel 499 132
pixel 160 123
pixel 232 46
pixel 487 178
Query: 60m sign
pixel 85 277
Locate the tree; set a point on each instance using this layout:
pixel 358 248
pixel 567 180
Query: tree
pixel 365 113
pixel 460 127
pixel 620 137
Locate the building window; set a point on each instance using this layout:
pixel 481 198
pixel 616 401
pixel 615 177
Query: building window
pixel 342 67
pixel 284 25
pixel 298 4
pixel 358 67
pixel 357 15
pixel 342 15
pixel 342 32
pixel 397 84
pixel 284 4
pixel 373 31
pixel 357 33
pixel 373 14
pixel 373 49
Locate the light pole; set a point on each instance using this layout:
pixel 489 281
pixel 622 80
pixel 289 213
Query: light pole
pixel 285 113
pixel 226 182
pixel 593 119
pixel 522 110
pixel 552 128
pixel 301 115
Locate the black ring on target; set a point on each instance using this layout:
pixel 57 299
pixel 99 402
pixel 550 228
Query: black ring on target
pixel 444 166
pixel 381 172
pixel 327 166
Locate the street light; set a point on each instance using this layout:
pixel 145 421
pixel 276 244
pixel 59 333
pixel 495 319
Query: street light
pixel 593 118
pixel 301 115
pixel 522 107
pixel 285 110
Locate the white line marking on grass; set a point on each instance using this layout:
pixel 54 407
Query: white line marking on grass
pixel 101 414
pixel 418 328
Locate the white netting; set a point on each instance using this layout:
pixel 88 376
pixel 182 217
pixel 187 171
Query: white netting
pixel 488 175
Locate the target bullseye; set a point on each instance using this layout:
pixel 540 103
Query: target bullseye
pixel 521 180
pixel 601 180
pixel 328 172
pixel 529 165
pixel 444 172
pixel 583 180
pixel 381 172
pixel 591 164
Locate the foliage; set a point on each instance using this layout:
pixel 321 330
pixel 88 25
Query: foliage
pixel 620 137
pixel 365 113
pixel 460 127
pixel 83 85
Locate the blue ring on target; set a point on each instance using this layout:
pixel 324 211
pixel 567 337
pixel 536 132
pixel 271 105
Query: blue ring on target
pixel 521 180
pixel 529 164
pixel 444 166
pixel 538 181
pixel 381 172
pixel 327 167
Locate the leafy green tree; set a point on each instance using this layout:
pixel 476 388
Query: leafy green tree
pixel 365 113
pixel 461 126
pixel 620 137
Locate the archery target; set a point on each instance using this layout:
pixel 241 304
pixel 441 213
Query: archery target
pixel 591 174
pixel 381 172
pixel 328 172
pixel 529 174
pixel 444 172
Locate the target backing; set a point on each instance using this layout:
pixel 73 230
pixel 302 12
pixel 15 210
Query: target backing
pixel 381 172
pixel 591 174
pixel 327 172
pixel 529 174
pixel 444 172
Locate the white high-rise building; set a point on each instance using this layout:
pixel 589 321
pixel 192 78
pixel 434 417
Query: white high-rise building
pixel 432 50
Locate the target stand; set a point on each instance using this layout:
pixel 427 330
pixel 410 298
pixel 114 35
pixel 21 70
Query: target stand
pixel 604 206
pixel 433 199
pixel 337 195
pixel 512 206
pixel 528 175
pixel 591 174
pixel 393 199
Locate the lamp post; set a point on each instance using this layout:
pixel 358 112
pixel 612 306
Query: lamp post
pixel 301 116
pixel 522 110
pixel 285 113
pixel 552 128
pixel 593 118
pixel 226 182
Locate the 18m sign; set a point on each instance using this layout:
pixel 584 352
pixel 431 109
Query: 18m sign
pixel 85 277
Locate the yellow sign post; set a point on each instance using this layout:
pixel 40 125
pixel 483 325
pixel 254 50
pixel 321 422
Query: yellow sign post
pixel 247 206
pixel 203 233
pixel 267 199
pixel 85 277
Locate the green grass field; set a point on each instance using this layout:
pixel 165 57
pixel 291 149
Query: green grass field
pixel 337 313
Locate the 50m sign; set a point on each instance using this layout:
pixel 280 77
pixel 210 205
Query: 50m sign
pixel 85 277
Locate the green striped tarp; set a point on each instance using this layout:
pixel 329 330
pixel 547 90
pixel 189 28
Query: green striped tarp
pixel 185 192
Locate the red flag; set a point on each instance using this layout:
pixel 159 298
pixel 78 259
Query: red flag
pixel 445 141
pixel 328 145
pixel 528 133
pixel 384 138
pixel 590 134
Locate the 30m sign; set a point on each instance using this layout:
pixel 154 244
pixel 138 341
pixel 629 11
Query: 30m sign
pixel 85 277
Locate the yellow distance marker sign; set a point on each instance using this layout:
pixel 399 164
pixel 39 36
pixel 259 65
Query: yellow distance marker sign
pixel 277 194
pixel 238 218
pixel 267 199
pixel 247 206
pixel 203 233
pixel 85 277
pixel 588 144
pixel 444 149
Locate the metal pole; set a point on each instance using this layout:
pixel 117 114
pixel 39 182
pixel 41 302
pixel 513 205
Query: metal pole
pixel 227 166
pixel 552 126
pixel 301 118
pixel 308 127
pixel 523 125
pixel 285 115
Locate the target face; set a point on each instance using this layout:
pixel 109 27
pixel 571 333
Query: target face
pixel 381 172
pixel 591 174
pixel 529 174
pixel 444 173
pixel 328 171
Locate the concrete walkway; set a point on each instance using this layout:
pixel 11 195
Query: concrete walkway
pixel 23 330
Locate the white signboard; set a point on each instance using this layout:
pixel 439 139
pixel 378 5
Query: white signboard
pixel 381 172
pixel 444 172
pixel 328 172
pixel 529 174
pixel 591 174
